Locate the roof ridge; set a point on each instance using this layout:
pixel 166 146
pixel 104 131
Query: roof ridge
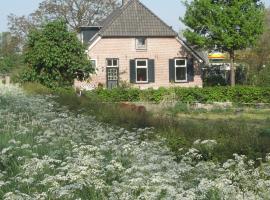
pixel 152 13
pixel 122 9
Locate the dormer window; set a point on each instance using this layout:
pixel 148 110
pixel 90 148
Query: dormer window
pixel 141 43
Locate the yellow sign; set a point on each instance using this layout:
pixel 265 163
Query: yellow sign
pixel 216 55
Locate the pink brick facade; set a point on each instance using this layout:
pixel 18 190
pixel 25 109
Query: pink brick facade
pixel 158 49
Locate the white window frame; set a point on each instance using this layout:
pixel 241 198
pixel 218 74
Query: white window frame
pixel 95 62
pixel 180 66
pixel 138 47
pixel 116 66
pixel 82 37
pixel 142 67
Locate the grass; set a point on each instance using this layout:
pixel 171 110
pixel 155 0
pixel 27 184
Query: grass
pixel 36 88
pixel 48 152
pixel 181 126
pixel 236 112
pixel 240 135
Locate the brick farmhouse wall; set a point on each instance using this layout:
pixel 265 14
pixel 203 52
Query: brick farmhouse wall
pixel 159 49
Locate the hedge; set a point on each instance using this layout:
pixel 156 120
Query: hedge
pixel 239 94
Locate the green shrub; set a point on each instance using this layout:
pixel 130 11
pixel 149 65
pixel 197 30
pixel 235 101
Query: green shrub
pixel 263 78
pixel 55 56
pixel 265 133
pixel 155 96
pixel 116 95
pixel 179 108
pixel 239 94
pixel 36 88
pixel 6 65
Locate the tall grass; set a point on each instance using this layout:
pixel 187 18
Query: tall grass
pixel 240 135
pixel 49 152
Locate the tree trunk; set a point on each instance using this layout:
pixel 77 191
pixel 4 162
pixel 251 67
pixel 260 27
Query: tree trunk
pixel 232 69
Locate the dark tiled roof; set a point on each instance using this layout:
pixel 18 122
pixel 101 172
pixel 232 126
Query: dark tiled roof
pixel 133 20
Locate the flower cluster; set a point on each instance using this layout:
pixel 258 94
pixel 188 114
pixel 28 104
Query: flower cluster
pixel 47 152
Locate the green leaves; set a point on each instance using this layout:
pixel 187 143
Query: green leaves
pixel 55 55
pixel 239 94
pixel 227 25
pixel 9 57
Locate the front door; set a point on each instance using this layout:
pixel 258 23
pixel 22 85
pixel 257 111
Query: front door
pixel 112 77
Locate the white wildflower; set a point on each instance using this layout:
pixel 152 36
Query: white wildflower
pixel 73 153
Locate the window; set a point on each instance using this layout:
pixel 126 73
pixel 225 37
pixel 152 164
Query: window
pixel 112 62
pixel 180 70
pixel 141 43
pixel 142 71
pixel 93 63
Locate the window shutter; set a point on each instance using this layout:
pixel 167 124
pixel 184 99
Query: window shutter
pixel 151 71
pixel 190 70
pixel 171 70
pixel 132 71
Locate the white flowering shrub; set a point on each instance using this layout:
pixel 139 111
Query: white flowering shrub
pixel 47 152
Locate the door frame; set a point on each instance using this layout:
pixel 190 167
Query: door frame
pixel 107 81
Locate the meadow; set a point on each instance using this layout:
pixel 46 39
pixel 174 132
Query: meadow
pixel 246 132
pixel 48 152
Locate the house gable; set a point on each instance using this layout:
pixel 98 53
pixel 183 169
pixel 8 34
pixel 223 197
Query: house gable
pixel 136 20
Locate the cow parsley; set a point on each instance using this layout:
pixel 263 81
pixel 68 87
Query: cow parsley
pixel 51 153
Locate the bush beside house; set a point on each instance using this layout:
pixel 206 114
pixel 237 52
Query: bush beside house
pixel 55 56
pixel 239 94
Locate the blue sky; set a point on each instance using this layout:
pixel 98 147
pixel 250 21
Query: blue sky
pixel 169 12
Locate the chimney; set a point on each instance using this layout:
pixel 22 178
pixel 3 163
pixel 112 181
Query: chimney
pixel 124 2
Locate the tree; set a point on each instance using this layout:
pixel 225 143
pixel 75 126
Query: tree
pixel 9 53
pixel 55 56
pixel 257 58
pixel 262 48
pixel 263 77
pixel 227 25
pixel 75 12
pixel 78 12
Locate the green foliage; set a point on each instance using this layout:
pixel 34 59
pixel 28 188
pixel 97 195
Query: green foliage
pixel 6 64
pixel 10 60
pixel 48 152
pixel 243 136
pixel 226 25
pixel 117 94
pixel 239 94
pixel 214 80
pixel 214 77
pixel 179 108
pixel 259 56
pixel 265 133
pixel 55 56
pixel 36 88
pixel 263 78
pixel 155 95
pixel 213 194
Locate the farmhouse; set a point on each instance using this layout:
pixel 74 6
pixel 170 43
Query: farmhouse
pixel 135 46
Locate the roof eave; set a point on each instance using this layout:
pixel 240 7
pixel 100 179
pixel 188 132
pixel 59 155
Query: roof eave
pixel 192 51
pixel 136 36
